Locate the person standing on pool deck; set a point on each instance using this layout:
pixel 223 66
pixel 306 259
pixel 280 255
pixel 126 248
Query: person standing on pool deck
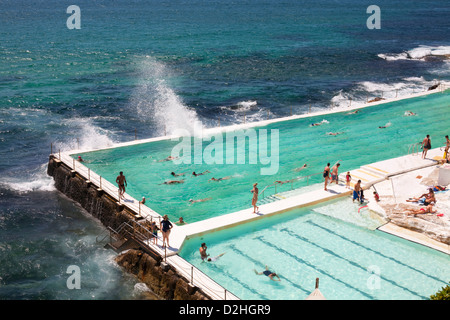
pixel 122 183
pixel 165 226
pixel 447 146
pixel 255 197
pixel 326 175
pixel 348 179
pixel 426 145
pixel 334 174
pixel 357 191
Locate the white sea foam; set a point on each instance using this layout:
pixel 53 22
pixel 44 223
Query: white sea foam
pixel 86 135
pixel 155 100
pixel 246 105
pixel 419 53
pixel 368 90
pixel 37 180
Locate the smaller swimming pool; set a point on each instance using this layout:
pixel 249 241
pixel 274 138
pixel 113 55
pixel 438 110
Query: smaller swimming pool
pixel 352 261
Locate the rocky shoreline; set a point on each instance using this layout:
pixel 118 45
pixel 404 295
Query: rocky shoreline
pixel 163 280
pixel 393 205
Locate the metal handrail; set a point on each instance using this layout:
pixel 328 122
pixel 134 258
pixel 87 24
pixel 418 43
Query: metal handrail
pixel 292 180
pixel 107 186
pixel 414 148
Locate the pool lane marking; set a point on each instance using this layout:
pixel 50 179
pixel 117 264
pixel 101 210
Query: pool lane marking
pixel 229 275
pixel 353 263
pixel 374 251
pixel 263 266
pixel 313 266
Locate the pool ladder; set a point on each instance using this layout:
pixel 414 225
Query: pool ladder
pixel 413 149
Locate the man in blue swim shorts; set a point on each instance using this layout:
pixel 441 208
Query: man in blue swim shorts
pixel 357 191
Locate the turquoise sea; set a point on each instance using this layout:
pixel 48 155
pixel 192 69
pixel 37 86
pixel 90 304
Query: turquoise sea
pixel 142 68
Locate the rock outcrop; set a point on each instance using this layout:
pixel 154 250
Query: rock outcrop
pixel 163 282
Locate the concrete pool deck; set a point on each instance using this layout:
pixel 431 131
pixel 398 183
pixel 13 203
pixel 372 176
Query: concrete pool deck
pixel 369 174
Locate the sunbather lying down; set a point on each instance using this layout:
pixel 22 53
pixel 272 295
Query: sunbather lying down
pixel 427 209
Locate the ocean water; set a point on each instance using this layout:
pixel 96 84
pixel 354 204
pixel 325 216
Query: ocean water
pixel 149 67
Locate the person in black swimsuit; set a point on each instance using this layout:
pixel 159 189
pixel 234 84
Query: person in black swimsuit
pixel 326 175
pixel 426 145
pixel 165 226
pixel 268 273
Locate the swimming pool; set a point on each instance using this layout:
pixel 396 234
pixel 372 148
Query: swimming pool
pixel 353 262
pixel 361 142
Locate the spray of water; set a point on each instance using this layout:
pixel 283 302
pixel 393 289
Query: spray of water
pixel 155 101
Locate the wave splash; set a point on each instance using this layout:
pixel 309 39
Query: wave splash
pixel 368 91
pixel 421 53
pixel 155 100
pixel 35 180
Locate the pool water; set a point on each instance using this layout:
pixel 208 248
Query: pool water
pixel 361 142
pixel 352 261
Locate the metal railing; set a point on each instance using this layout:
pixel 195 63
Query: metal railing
pixel 291 182
pixel 413 148
pixel 112 190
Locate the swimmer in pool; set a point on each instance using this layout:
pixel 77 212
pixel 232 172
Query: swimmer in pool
pixel 283 182
pixel 334 133
pixel 301 168
pixel 200 174
pixel 268 273
pixel 177 174
pixel 173 182
pixel 169 158
pixel 199 200
pixel 214 259
pixel 219 179
pixel 385 126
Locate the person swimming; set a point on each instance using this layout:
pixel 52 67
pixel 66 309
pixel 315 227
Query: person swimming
pixel 268 273
pixel 177 174
pixel 334 133
pixel 301 168
pixel 385 126
pixel 219 179
pixel 169 158
pixel 319 123
pixel 199 200
pixel 200 174
pixel 173 182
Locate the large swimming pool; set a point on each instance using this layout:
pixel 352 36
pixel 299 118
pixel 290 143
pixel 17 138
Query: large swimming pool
pixel 352 260
pixel 360 142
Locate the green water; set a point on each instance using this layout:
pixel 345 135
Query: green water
pixel 361 142
pixel 352 262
